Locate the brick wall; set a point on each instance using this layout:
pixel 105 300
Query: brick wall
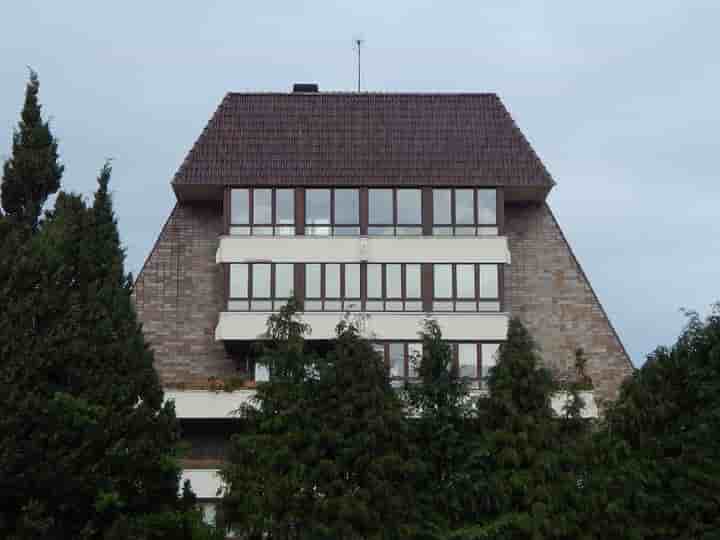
pixel 179 294
pixel 548 291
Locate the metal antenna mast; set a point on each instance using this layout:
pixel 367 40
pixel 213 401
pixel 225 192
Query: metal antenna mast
pixel 358 44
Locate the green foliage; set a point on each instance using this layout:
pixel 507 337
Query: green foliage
pixel 86 443
pixel 328 455
pixel 33 172
pixel 657 458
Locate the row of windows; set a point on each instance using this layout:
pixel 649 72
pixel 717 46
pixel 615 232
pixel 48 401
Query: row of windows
pixel 339 212
pixel 472 360
pixel 365 286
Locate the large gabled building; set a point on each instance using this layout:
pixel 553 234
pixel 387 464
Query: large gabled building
pixel 392 205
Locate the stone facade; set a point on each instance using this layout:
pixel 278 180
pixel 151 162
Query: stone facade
pixel 179 295
pixel 546 288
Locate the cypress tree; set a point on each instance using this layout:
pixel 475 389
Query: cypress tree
pixel 86 443
pixel 33 171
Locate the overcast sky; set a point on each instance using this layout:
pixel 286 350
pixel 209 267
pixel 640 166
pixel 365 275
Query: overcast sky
pixel 619 99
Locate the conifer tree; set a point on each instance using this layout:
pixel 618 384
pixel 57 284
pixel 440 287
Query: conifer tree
pixel 86 443
pixel 33 171
pixel 657 469
pixel 333 462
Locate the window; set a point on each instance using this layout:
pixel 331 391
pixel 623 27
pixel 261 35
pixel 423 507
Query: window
pixel 464 212
pixel 468 360
pixel 490 353
pixel 466 287
pixel 400 358
pixel 262 211
pixel 474 360
pixel 394 212
pixel 332 212
pixel 332 286
pixel 393 287
pixel 260 286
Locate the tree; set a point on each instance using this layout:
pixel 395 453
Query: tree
pixel 33 171
pixel 328 454
pixel 527 480
pixel 657 456
pixel 86 444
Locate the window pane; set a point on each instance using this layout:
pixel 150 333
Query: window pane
pixel 412 281
pixel 467 359
pixel 380 349
pixel 312 281
pixel 283 280
pixel 414 358
pixel 240 204
pixel 442 279
pixel 352 281
pixel 397 359
pixel 394 283
pixel 374 281
pixel 381 206
pixel 489 281
pixel 262 206
pixel 489 357
pixel 332 281
pixel 409 206
pixel 238 280
pixel 464 207
pixel 317 207
pixel 261 280
pixel 465 280
pixel 347 206
pixel 285 206
pixel 381 231
pixel 441 206
pixel 487 203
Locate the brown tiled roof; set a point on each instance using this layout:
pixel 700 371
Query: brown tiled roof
pixel 362 139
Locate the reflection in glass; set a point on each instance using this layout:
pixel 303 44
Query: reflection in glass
pixel 312 280
pixel 374 281
pixel 409 206
pixel 442 280
pixel 238 280
pixel 261 281
pixel 465 280
pixel 409 231
pixel 412 281
pixel 347 231
pixel 467 359
pixel 397 359
pixel 262 206
pixel 489 357
pixel 489 281
pixel 394 280
pixel 352 281
pixel 332 281
pixel 414 358
pixel 317 206
pixel 381 231
pixel 441 206
pixel 464 207
pixel 347 207
pixel 487 207
pixel 285 206
pixel 283 280
pixel 240 206
pixel 380 203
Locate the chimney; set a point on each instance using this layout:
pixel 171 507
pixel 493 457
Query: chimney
pixel 305 88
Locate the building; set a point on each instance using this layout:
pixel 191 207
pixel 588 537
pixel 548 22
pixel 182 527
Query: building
pixel 395 205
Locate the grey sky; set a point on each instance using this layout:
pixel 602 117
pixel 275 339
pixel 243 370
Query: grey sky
pixel 619 99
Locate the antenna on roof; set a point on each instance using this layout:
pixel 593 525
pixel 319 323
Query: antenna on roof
pixel 358 45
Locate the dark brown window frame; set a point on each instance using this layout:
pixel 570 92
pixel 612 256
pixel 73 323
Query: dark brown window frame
pixel 273 285
pixel 273 225
pixel 344 300
pixel 332 226
pixel 403 298
pixel 395 225
pixel 478 293
pixel 475 226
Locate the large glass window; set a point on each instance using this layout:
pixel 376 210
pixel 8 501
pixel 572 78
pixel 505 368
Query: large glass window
pixel 393 287
pixel 394 212
pixel 332 287
pixel 260 286
pixel 490 353
pixel 464 212
pixel 262 211
pixel 468 360
pixel 401 358
pixel 466 287
pixel 332 212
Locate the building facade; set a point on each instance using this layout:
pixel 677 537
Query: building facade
pixel 393 206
